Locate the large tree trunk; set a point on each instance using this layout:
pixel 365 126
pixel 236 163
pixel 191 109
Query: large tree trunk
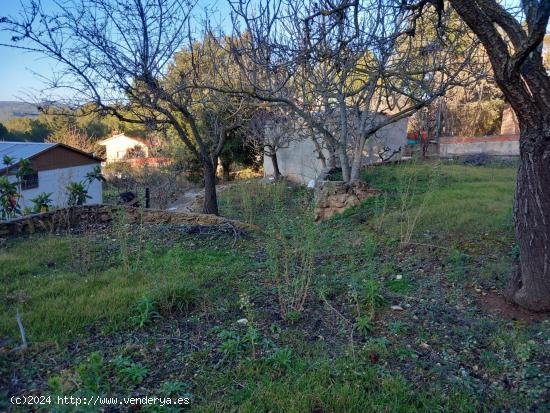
pixel 210 198
pixel 275 163
pixel 530 287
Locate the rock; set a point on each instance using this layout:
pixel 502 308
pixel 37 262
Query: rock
pixel 425 345
pixel 334 197
pixel 398 277
pixel 242 322
pixel 397 308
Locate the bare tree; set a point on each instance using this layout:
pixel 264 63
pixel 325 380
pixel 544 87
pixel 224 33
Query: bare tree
pixel 272 129
pixel 74 137
pixel 116 55
pixel 338 64
pixel 514 43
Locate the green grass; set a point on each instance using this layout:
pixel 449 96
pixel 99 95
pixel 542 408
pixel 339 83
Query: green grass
pixel 343 385
pixel 458 201
pixel 154 310
pixel 58 303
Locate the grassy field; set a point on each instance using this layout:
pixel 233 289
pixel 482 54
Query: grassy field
pixel 380 309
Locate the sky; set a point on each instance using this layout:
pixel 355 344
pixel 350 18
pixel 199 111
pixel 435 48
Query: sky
pixel 17 68
pixel 15 74
pixel 18 80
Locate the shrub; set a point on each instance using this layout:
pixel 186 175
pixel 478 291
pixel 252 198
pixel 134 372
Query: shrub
pixel 42 202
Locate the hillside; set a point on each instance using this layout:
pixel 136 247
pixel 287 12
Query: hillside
pixel 12 109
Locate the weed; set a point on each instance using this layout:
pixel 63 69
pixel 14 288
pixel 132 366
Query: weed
pixel 88 380
pixel 173 297
pixel 129 371
pixel 231 343
pixel 121 229
pixel 252 333
pixel 280 358
pixel 91 373
pixel 404 353
pixel 291 248
pixel 410 213
pixel 457 262
pixel 173 388
pixel 397 327
pixel 372 297
pixel 363 324
pixel 402 286
pixel 146 312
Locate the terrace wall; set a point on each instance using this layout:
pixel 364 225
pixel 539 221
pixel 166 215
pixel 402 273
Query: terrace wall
pixel 496 145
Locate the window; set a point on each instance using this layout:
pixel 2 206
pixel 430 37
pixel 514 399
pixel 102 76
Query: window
pixel 29 181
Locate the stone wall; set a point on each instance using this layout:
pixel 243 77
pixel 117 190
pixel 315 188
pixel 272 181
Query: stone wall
pixel 334 197
pixel 89 215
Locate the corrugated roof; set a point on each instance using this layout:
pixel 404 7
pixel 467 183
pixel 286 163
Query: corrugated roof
pixel 27 150
pixel 22 150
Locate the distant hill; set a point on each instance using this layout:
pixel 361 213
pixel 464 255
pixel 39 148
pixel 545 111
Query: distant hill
pixel 12 109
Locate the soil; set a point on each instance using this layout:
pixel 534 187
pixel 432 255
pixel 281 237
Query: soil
pixel 494 303
pixel 192 199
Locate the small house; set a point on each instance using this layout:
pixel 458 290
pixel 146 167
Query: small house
pixel 120 147
pixel 53 166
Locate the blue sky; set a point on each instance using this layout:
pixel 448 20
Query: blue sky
pixel 17 79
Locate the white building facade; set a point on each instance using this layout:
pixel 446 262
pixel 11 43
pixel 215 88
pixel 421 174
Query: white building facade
pixel 53 167
pixel 299 161
pixel 118 146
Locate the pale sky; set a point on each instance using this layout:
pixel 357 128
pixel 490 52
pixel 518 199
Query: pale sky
pixel 17 77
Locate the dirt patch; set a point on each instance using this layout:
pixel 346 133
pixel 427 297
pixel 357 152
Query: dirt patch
pixel 494 303
pixel 193 199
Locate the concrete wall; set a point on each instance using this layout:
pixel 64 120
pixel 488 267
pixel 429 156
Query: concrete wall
pixel 299 162
pixel 392 137
pixel 497 145
pixel 56 180
pixel 117 146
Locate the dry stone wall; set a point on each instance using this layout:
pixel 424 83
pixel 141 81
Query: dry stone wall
pixel 334 197
pixel 67 218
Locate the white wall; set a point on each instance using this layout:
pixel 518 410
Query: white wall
pixel 56 180
pixel 490 146
pixel 299 162
pixel 117 146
